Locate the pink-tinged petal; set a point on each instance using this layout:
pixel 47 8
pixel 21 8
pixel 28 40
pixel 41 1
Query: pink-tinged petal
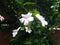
pixel 26 22
pixel 14 34
pixel 30 19
pixel 29 31
pixel 1 18
pixel 44 23
pixel 18 28
pixel 30 14
pixel 39 17
pixel 22 20
pixel 22 15
pixel 26 30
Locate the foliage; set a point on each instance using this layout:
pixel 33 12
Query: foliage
pixel 48 8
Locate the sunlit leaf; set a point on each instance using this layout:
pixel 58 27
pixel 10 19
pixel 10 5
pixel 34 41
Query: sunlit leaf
pixel 19 1
pixel 29 3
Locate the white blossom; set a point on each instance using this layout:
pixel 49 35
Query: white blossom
pixel 44 23
pixel 1 18
pixel 39 17
pixel 27 15
pixel 42 19
pixel 54 28
pixel 22 20
pixel 28 30
pixel 26 22
pixel 26 18
pixel 14 32
pixel 30 19
pixel 52 6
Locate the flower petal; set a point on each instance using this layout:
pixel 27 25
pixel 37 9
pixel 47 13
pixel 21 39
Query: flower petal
pixel 18 28
pixel 26 22
pixel 29 14
pixel 22 20
pixel 39 17
pixel 29 31
pixel 1 18
pixel 26 29
pixel 14 34
pixel 44 23
pixel 30 19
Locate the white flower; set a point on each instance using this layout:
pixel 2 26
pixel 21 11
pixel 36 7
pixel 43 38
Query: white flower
pixel 22 20
pixel 1 18
pixel 44 23
pixel 52 6
pixel 39 17
pixel 30 19
pixel 28 30
pixel 26 18
pixel 42 19
pixel 27 15
pixel 14 32
pixel 54 28
pixel 26 22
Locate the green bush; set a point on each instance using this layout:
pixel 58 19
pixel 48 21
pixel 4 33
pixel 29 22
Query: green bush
pixel 49 9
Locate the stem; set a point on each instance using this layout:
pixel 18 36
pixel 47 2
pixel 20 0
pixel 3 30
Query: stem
pixel 25 9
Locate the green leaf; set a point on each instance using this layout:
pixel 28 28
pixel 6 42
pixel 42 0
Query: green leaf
pixel 34 12
pixel 19 1
pixel 29 3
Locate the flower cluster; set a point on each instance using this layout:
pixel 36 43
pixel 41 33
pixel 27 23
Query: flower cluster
pixel 26 19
